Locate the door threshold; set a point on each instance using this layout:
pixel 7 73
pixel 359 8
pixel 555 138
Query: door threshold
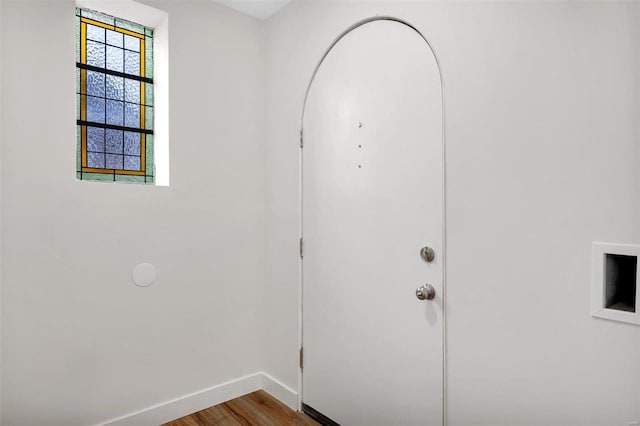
pixel 318 416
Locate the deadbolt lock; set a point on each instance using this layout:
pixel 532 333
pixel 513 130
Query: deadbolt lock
pixel 427 254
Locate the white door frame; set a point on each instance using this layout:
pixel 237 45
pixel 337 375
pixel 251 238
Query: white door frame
pixel 444 217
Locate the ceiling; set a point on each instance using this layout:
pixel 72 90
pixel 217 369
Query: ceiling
pixel 261 9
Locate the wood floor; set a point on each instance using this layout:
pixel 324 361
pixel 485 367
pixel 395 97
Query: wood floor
pixel 257 408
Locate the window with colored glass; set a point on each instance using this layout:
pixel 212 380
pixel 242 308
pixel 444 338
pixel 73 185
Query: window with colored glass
pixel 114 79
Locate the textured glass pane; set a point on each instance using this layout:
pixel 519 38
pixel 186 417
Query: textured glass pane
pixel 115 87
pixel 95 159
pixel 95 83
pixel 132 43
pixel 148 58
pixel 97 16
pixel 131 143
pixel 148 94
pixel 115 112
pixel 95 139
pixel 114 38
pixel 130 178
pixel 77 107
pixel 98 176
pixel 79 148
pixel 95 33
pixel 77 80
pixel 132 91
pixel 148 32
pixel 115 58
pixel 114 161
pixel 114 141
pixel 129 26
pixel 77 39
pixel 149 155
pixel 95 109
pixel 95 54
pixel 131 163
pixel 148 116
pixel 132 115
pixel 131 62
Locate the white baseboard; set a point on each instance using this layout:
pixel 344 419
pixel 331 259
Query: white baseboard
pixel 280 391
pixel 187 404
pixel 196 401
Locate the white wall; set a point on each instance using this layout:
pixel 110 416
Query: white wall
pixel 542 159
pixel 81 344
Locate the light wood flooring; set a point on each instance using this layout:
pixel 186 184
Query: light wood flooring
pixel 257 408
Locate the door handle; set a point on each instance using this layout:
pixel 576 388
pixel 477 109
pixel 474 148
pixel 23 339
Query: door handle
pixel 425 292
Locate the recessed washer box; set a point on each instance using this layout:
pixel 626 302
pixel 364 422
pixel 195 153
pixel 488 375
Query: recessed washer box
pixel 614 282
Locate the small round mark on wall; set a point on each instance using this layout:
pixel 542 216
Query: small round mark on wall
pixel 144 274
pixel 359 166
pixel 359 124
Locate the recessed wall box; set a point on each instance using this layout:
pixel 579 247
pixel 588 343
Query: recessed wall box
pixel 614 282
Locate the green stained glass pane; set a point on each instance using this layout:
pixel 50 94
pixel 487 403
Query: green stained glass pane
pixel 96 16
pixel 129 26
pixel 79 175
pixel 78 148
pixel 77 107
pixel 77 80
pixel 97 176
pixel 77 38
pixel 148 117
pixel 77 11
pixel 130 178
pixel 148 32
pixel 148 57
pixel 148 94
pixel 149 155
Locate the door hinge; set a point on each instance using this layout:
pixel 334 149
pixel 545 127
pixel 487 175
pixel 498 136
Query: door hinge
pixel 301 248
pixel 301 358
pixel 301 139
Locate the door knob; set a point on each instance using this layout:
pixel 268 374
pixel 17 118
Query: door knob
pixel 425 292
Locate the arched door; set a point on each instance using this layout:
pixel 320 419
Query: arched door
pixel 372 192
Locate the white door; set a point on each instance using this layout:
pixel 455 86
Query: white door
pixel 372 198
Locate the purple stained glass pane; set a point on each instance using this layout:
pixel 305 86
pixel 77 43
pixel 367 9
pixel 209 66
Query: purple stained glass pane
pixel 131 143
pixel 95 159
pixel 132 91
pixel 95 83
pixel 132 115
pixel 132 43
pixel 95 139
pixel 115 58
pixel 95 54
pixel 131 163
pixel 114 38
pixel 114 161
pixel 95 109
pixel 114 141
pixel 115 87
pixel 95 33
pixel 131 62
pixel 115 112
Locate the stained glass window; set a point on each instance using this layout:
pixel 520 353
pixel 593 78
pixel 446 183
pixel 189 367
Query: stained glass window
pixel 114 85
